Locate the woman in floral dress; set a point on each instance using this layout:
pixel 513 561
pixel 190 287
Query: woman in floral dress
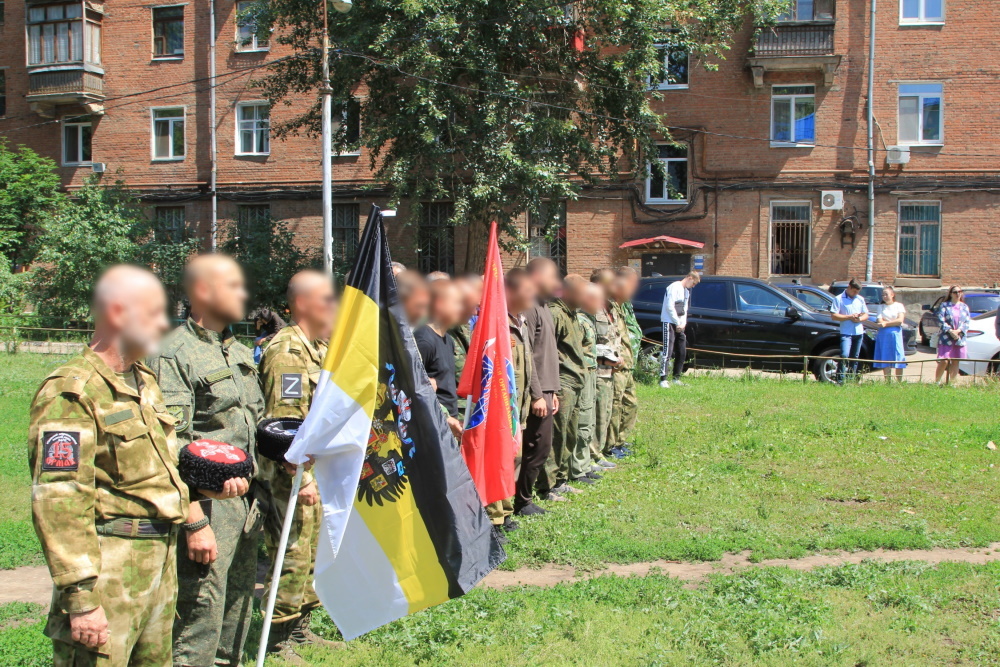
pixel 953 317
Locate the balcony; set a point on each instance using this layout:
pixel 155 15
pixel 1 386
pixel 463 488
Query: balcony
pixel 78 85
pixel 795 46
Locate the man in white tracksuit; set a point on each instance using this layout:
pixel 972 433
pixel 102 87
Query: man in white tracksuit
pixel 673 315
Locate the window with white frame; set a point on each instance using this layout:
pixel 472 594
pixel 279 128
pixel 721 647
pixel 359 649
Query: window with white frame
pixel 808 10
pixel 547 233
pixel 168 134
pixel 674 65
pixel 55 34
pixel 76 135
pixel 672 185
pixel 347 128
pixel 921 114
pixel 168 32
pixel 168 224
pixel 793 115
pixel 921 11
pixel 253 128
pixel 246 27
pixel 919 238
pixel 791 225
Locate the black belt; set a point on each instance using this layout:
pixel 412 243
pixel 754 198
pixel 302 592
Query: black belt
pixel 135 528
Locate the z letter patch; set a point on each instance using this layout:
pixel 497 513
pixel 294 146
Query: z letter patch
pixel 291 385
pixel 62 450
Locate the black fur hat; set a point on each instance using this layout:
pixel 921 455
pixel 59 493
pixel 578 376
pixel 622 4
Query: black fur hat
pixel 275 435
pixel 207 464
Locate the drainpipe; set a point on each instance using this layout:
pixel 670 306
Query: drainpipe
pixel 211 125
pixel 870 259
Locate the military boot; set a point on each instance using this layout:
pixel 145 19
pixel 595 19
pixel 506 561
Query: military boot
pixel 279 638
pixel 301 634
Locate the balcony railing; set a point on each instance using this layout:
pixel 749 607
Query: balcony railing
pixel 66 83
pixel 795 40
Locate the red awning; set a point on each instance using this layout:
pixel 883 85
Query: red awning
pixel 662 242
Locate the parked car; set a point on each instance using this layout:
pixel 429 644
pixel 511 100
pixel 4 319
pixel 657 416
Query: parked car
pixel 821 300
pixel 978 302
pixel 748 316
pixel 982 343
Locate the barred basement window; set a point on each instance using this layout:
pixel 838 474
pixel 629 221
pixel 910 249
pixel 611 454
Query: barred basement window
pixel 436 238
pixel 345 233
pixel 168 224
pixel 253 221
pixel 547 234
pixel 790 238
pixel 920 238
pixel 3 91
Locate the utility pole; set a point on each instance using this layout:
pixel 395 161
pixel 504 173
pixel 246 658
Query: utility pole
pixel 870 259
pixel 342 6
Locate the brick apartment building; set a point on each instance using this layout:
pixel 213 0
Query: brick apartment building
pixel 757 142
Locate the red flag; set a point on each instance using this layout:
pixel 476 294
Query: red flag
pixel 488 377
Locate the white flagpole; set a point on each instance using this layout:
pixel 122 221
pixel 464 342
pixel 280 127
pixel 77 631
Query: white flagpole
pixel 279 560
pixel 468 411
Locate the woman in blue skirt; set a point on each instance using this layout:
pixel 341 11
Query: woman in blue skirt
pixel 889 339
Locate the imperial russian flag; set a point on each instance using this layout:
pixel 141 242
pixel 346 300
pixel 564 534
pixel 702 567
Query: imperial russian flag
pixel 402 526
pixel 488 378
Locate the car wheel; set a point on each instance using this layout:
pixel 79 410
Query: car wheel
pixel 825 370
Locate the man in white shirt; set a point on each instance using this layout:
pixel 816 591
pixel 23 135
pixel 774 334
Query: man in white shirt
pixel 850 310
pixel 674 315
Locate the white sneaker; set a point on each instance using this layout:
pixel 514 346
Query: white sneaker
pixel 678 383
pixel 664 384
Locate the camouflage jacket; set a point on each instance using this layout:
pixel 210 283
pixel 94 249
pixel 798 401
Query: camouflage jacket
pixel 626 350
pixel 98 450
pixel 289 372
pixel 634 330
pixel 209 382
pixel 589 325
pixel 609 339
pixel 569 343
pixel 523 366
pixel 462 335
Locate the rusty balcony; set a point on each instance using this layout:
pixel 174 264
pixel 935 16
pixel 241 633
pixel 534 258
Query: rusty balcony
pixel 65 85
pixel 795 46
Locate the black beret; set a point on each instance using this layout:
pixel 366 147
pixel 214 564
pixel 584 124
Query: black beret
pixel 207 464
pixel 275 435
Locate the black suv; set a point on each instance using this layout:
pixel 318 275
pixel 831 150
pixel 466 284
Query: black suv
pixel 748 316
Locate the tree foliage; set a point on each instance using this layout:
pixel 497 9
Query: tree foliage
pixel 489 103
pixel 29 191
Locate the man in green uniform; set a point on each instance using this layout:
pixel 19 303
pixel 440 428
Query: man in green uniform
pixel 289 372
pixel 609 343
pixel 209 381
pixel 591 302
pixel 565 462
pixel 106 496
pixel 470 288
pixel 623 412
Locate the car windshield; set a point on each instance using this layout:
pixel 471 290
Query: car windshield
pixel 982 304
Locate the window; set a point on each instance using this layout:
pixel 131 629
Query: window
pixel 547 233
pixel 673 69
pixel 757 299
pixel 253 129
pixel 436 238
pixel 921 11
pixel 790 238
pixel 347 129
pixel 711 295
pixel 246 28
pixel 3 93
pixel 168 134
pixel 76 141
pixel 168 224
pixel 793 115
pixel 919 238
pixel 812 299
pixel 345 233
pixel 168 32
pixel 253 222
pixel 920 114
pixel 672 185
pixel 55 34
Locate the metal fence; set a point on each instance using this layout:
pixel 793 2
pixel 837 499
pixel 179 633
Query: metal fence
pixel 61 336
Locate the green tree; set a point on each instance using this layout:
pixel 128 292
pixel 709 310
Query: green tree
pixel 29 192
pixel 491 103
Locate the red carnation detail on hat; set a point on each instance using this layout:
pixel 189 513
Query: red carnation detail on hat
pixel 219 452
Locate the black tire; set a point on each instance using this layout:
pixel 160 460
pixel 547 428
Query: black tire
pixel 924 339
pixel 825 370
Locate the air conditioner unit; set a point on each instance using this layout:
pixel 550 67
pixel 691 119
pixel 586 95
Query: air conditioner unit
pixel 832 200
pixel 98 167
pixel 897 155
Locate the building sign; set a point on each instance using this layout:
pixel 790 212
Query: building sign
pixel 699 262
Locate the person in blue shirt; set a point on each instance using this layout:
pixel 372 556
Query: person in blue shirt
pixel 850 310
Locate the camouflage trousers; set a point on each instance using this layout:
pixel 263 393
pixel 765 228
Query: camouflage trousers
pixel 138 589
pixel 295 586
pixel 215 602
pixel 602 415
pixel 624 409
pixel 565 461
pixel 502 509
pixel 585 437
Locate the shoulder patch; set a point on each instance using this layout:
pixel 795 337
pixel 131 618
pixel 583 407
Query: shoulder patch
pixel 291 385
pixel 61 450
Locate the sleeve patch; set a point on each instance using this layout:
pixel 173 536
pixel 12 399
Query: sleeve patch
pixel 291 385
pixel 62 450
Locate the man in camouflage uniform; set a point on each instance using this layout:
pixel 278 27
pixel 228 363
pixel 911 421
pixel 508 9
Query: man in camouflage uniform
pixel 591 303
pixel 470 289
pixel 209 381
pixel 289 372
pixel 623 411
pixel 106 496
pixel 609 343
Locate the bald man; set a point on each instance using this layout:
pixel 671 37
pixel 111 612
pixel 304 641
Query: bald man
pixel 210 384
pixel 106 497
pixel 289 372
